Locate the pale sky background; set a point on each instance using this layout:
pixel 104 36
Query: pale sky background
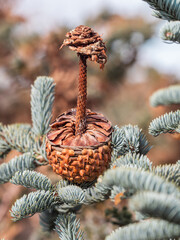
pixel 47 14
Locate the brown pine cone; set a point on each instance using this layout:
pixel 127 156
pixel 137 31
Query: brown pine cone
pixel 85 41
pixel 79 143
pixel 79 158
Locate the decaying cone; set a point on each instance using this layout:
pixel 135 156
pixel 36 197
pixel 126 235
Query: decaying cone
pixel 83 157
pixel 85 41
pixel 79 142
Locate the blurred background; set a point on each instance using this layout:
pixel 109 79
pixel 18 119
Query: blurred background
pixel 139 63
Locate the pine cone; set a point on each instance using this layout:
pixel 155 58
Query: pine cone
pixel 85 41
pixel 79 143
pixel 80 158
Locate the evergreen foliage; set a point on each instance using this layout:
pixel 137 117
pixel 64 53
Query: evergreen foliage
pixel 168 123
pixel 129 139
pixel 32 203
pixel 23 137
pixel 42 97
pixel 31 179
pixel 68 227
pixel 171 32
pixel 20 163
pixel 147 230
pixel 166 96
pixel 138 180
pixel 157 206
pixel 97 193
pixel 165 9
pixel 47 219
pixel 168 10
pixel 18 136
pixel 170 172
pixel 4 148
pixel 133 160
pixel 71 195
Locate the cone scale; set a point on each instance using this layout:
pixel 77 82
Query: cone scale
pixel 78 145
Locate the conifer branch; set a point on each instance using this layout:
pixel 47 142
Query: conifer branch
pixel 21 138
pixel 147 230
pixel 20 163
pixel 42 97
pixel 165 9
pixel 4 148
pixel 157 205
pixel 97 193
pixel 68 227
pixel 129 139
pixel 130 160
pixel 70 198
pixel 32 179
pixel 32 203
pixel 166 96
pixel 18 136
pixel 93 195
pixel 171 32
pixel 167 123
pixel 39 150
pixel 127 180
pixel 47 219
pixel 133 160
pixel 137 180
pixel 72 195
pixel 170 172
pixel 62 183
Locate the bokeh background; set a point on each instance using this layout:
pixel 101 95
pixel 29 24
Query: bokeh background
pixel 139 63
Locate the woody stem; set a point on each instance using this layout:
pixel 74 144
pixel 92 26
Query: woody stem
pixel 82 96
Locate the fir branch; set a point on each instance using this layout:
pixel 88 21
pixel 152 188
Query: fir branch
pixel 116 190
pixel 133 160
pixel 4 148
pixel 42 97
pixel 167 123
pixel 20 163
pixel 157 205
pixel 47 219
pixel 117 139
pixel 72 195
pixel 137 180
pixel 68 227
pixel 171 32
pixel 62 183
pixel 21 138
pixel 146 230
pixel 39 151
pixel 170 172
pixel 165 96
pixel 97 193
pixel 18 136
pixel 129 139
pixel 70 198
pixel 32 203
pixel 130 161
pixel 32 179
pixel 165 9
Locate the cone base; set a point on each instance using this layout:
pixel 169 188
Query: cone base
pixel 79 165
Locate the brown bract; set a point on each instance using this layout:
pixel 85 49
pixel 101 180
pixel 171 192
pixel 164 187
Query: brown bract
pixel 85 41
pixel 98 130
